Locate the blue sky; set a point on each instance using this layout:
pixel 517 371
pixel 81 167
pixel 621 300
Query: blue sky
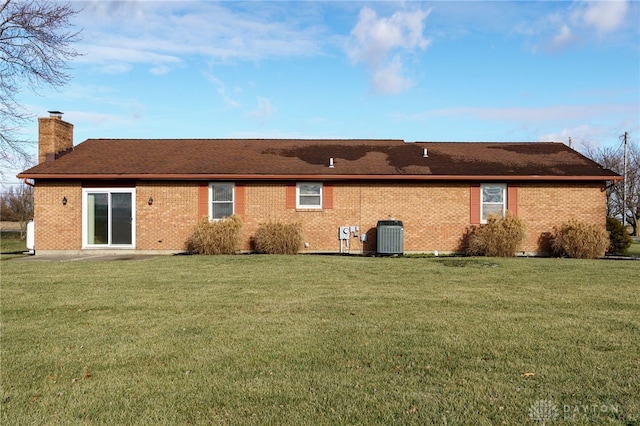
pixel 418 71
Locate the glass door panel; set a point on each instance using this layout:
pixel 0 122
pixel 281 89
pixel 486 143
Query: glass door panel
pixel 98 219
pixel 109 217
pixel 121 218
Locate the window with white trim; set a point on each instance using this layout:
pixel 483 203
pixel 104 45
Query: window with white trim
pixel 309 195
pixel 494 200
pixel 221 198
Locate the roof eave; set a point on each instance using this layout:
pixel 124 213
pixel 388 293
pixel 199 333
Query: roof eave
pixel 328 177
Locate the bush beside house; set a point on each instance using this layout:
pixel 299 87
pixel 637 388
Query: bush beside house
pixel 619 238
pixel 580 240
pixel 500 236
pixel 278 238
pixel 215 237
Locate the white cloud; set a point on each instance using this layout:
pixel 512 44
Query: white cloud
pixel 112 59
pixel 605 16
pixel 115 68
pixel 388 78
pixel 563 38
pixel 566 24
pixel 265 109
pixel 102 119
pixel 586 136
pixel 379 43
pixel 604 120
pixel 580 136
pixel 163 34
pixel 160 70
pixel 222 91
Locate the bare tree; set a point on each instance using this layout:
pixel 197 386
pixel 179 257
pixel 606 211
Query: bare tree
pixel 613 158
pixel 35 46
pixel 633 189
pixel 17 205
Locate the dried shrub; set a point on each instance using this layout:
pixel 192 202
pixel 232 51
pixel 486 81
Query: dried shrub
pixel 580 240
pixel 465 241
pixel 619 238
pixel 278 238
pixel 215 237
pixel 545 243
pixel 499 237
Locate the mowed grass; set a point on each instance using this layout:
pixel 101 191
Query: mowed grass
pixel 253 339
pixel 11 245
pixel 634 249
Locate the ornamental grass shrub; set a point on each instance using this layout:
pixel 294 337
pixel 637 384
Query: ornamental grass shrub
pixel 499 237
pixel 215 237
pixel 580 240
pixel 278 238
pixel 619 238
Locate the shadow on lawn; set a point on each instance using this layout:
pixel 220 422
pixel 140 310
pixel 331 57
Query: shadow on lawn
pixel 462 262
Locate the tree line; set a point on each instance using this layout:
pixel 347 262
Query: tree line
pixel 16 205
pixel 613 158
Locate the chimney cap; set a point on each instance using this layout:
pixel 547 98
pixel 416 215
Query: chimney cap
pixel 56 113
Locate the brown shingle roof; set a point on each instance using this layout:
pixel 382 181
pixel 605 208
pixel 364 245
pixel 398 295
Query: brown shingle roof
pixel 309 159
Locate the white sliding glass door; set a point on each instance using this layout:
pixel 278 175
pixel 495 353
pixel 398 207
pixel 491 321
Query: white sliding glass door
pixel 108 217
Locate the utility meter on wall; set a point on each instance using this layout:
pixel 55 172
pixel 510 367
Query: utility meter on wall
pixel 343 233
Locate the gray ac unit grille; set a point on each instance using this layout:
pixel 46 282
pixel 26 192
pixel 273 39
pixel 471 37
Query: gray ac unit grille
pixel 390 237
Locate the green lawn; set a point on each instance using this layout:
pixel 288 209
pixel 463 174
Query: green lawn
pixel 304 340
pixel 634 249
pixel 11 245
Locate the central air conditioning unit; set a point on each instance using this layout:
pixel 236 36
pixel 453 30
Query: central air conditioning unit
pixel 390 237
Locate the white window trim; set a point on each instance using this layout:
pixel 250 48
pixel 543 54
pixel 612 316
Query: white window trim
pixel 309 207
pixel 233 198
pixel 85 212
pixel 482 203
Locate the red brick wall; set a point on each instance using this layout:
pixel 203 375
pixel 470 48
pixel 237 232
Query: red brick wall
pixel 54 136
pixel 57 226
pixel 435 215
pixel 165 224
pixel 543 206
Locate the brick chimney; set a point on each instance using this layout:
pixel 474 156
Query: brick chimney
pixel 55 137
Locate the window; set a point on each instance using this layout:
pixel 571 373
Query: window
pixel 309 195
pixel 494 200
pixel 108 217
pixel 221 200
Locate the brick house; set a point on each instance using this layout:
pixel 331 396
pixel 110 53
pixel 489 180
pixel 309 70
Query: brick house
pixel 145 196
